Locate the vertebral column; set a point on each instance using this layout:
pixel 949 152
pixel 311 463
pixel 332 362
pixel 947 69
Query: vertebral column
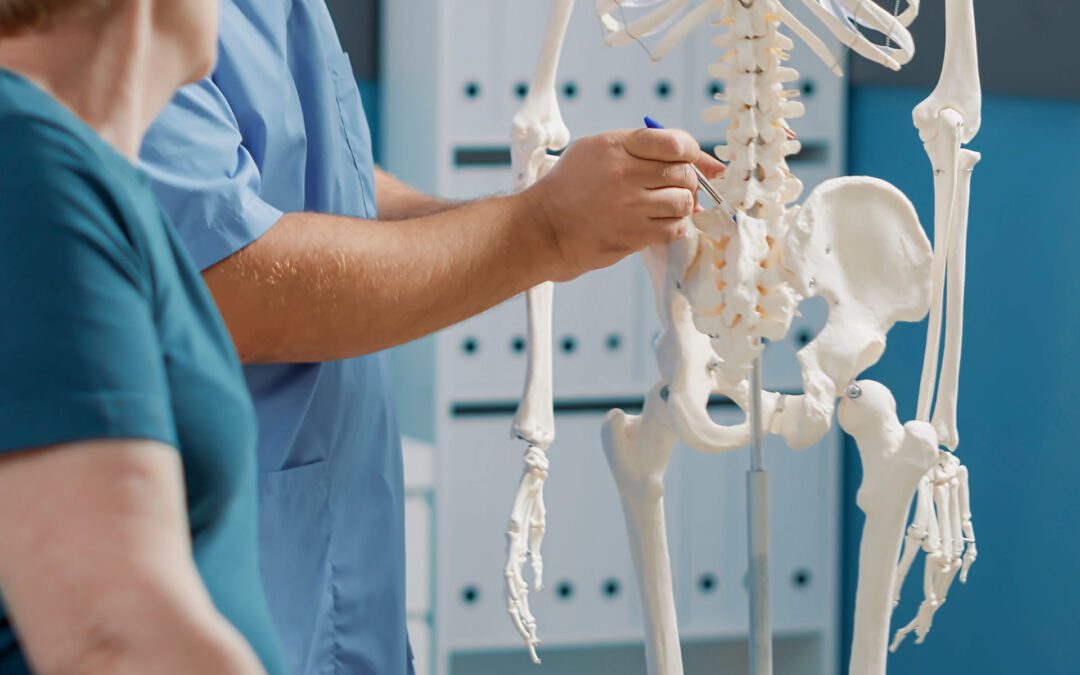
pixel 739 292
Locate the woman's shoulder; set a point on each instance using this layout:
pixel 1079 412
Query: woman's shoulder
pixel 34 125
pixel 44 155
pixel 56 167
pixel 44 149
pixel 60 196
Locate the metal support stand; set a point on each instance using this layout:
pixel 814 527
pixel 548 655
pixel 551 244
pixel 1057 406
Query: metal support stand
pixel 757 496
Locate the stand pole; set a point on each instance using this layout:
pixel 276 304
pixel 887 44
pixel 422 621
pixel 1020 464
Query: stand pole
pixel 757 494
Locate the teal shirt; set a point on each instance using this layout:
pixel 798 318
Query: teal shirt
pixel 107 331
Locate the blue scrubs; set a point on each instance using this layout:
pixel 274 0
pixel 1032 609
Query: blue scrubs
pixel 279 128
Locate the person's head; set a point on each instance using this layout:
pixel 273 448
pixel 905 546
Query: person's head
pixel 187 27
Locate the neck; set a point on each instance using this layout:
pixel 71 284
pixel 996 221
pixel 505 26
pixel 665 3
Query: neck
pixel 99 66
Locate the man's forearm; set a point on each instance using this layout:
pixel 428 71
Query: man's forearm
pixel 320 287
pixel 399 201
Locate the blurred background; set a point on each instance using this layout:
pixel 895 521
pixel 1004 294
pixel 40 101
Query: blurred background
pixel 441 80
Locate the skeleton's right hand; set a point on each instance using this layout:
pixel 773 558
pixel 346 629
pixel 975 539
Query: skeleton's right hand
pixel 614 194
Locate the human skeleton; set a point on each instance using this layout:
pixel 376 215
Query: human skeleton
pixel 735 282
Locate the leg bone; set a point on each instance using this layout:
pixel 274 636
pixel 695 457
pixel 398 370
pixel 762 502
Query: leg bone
pixel 638 449
pixel 894 458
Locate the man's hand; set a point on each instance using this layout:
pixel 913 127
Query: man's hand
pixel 614 194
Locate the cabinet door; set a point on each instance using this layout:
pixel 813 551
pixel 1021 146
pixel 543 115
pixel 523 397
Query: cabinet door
pixel 804 520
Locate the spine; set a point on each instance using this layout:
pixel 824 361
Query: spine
pixel 755 101
pixel 744 296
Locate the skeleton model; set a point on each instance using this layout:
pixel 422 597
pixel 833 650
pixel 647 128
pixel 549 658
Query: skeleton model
pixel 734 282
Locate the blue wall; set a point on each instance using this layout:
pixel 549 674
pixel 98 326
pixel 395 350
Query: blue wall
pixel 1019 414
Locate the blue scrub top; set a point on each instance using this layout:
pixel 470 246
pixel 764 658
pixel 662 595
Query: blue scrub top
pixel 278 128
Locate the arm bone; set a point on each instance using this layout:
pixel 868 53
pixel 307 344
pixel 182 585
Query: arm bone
pixel 538 127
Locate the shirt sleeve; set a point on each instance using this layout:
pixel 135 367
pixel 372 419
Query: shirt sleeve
pixel 205 178
pixel 80 357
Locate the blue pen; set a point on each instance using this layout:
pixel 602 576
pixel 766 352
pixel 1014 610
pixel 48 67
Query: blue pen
pixel 703 182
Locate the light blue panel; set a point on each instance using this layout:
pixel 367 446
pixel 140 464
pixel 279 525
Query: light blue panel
pixel 1019 421
pixel 414 363
pixel 369 94
pixel 414 386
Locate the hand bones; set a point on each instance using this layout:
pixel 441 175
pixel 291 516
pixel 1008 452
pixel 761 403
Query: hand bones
pixel 943 529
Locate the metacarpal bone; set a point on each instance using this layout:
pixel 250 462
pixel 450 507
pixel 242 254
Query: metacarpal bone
pixel 917 533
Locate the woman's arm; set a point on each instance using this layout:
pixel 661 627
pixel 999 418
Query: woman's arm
pixel 96 565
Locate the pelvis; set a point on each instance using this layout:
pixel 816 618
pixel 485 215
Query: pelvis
pixel 857 243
